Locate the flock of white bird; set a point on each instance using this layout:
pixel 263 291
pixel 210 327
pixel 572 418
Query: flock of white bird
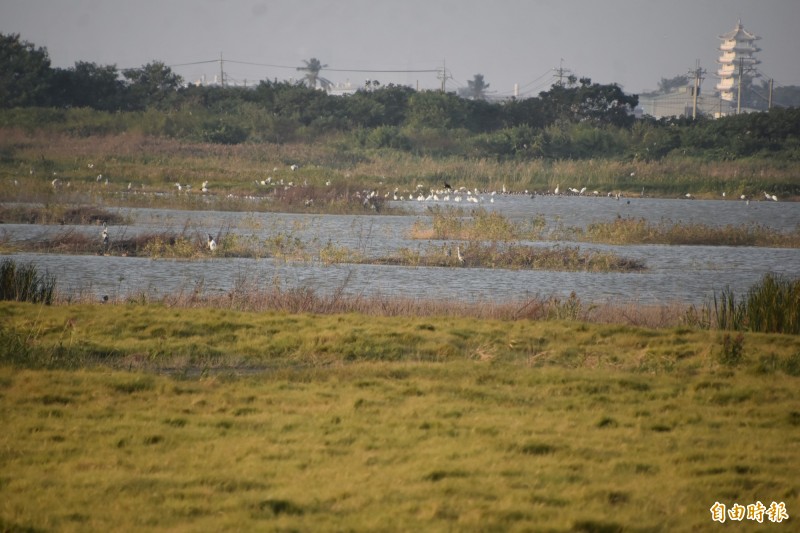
pixel 421 193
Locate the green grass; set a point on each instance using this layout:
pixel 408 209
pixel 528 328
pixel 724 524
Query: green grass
pixel 211 419
pixel 468 445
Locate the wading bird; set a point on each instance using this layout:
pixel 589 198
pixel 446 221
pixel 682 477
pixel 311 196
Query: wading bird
pixel 104 235
pixel 212 244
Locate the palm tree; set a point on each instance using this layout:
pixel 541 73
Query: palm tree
pixel 312 77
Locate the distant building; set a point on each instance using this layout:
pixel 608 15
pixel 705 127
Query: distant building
pixel 680 102
pixel 736 59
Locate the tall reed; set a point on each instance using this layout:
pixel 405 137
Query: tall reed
pixel 24 283
pixel 771 306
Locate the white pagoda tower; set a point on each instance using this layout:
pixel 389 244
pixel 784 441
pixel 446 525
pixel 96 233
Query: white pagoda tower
pixel 738 47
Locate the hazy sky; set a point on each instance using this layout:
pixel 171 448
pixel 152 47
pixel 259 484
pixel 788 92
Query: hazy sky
pixel 631 42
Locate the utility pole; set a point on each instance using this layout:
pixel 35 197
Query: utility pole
pixel 739 92
pixel 698 73
pixel 444 76
pixel 221 72
pixel 769 100
pixel 561 72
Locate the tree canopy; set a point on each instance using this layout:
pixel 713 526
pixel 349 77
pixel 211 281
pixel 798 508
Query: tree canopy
pixel 578 119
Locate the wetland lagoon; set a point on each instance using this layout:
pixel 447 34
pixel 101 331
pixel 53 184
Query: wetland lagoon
pixel 297 244
pixel 153 394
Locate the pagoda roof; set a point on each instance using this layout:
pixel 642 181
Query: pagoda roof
pixel 739 34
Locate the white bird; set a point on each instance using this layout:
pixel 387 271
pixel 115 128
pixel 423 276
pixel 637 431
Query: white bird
pixel 212 244
pixel 104 235
pixel 179 186
pixel 458 254
pixel 294 167
pixel 767 196
pixel 204 188
pixel 774 198
pixel 583 190
pixel 556 191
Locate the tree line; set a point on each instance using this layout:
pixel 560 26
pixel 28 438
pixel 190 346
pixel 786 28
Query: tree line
pixel 579 119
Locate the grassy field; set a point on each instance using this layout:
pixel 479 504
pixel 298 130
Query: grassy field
pixel 149 417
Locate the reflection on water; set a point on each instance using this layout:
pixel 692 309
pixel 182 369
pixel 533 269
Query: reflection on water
pixel 687 274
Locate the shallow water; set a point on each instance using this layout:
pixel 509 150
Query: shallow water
pixel 687 274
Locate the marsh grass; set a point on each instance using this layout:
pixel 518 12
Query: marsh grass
pixel 416 423
pixel 58 214
pixel 25 283
pixel 287 246
pixel 480 224
pixel 640 231
pixel 512 256
pixel 152 165
pixel 772 305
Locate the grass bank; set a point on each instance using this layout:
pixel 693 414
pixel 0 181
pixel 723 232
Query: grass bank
pixel 112 168
pixel 385 424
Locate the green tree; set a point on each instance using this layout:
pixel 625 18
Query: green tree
pixel 592 102
pixel 24 73
pixel 152 85
pixel 434 109
pixel 87 85
pixel 312 77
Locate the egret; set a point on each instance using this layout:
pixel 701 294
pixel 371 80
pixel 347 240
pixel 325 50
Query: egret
pixel 204 188
pixel 294 167
pixel 556 191
pixel 583 190
pixel 104 235
pixel 774 198
pixel 458 255
pixel 212 244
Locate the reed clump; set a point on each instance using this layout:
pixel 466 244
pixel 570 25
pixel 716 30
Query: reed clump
pixel 640 231
pixel 25 283
pixel 771 306
pixel 479 224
